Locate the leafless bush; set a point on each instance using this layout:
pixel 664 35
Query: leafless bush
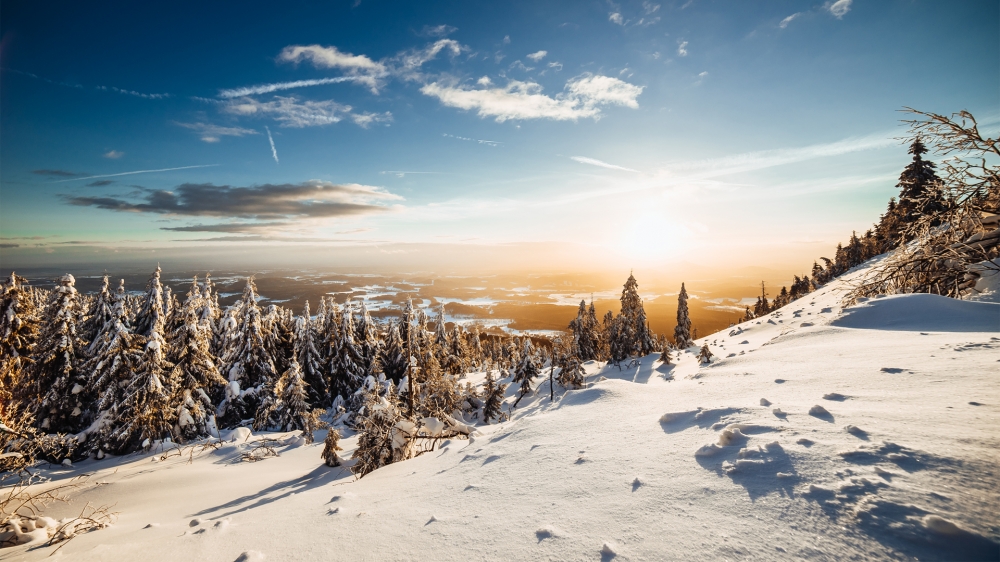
pixel 21 519
pixel 262 450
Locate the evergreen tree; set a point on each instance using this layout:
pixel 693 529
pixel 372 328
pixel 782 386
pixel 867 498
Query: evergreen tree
pixel 368 342
pixel 393 356
pixel 57 375
pixel 310 360
pixel 665 355
pixel 197 375
pixel 493 396
pixel 248 362
pixel 346 365
pixel 584 328
pixel 919 185
pixel 293 408
pixel 456 353
pixel 330 447
pixel 633 331
pixel 100 312
pixel 18 333
pixel 145 414
pixel 682 333
pixel 527 369
pixel 112 369
pixel 705 355
pixel 150 316
pixel 381 440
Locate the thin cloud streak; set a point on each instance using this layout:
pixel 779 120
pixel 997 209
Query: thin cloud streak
pixel 274 151
pixel 599 163
pixel 137 172
pixel 280 86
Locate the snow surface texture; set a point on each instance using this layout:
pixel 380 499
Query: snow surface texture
pixel 869 433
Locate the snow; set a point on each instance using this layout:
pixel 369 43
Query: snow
pixel 875 439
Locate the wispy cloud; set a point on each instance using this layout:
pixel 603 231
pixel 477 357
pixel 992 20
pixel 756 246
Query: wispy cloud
pixel 280 86
pixel 231 228
pixel 582 98
pixel 599 163
pixel 137 172
pixel 113 154
pixel 467 139
pixel 538 55
pixel 274 151
pixel 56 173
pixel 212 133
pixel 360 67
pixel 839 8
pixel 314 198
pixel 784 23
pixel 133 93
pixel 616 17
pixel 437 30
pixel 291 112
pixel 404 173
pixel 682 50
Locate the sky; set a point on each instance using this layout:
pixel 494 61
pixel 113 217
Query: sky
pixel 469 135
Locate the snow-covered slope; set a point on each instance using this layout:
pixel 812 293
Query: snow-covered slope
pixel 817 432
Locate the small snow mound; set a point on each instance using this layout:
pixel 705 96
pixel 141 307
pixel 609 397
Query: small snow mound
pixel 942 526
pixel 194 523
pixel 779 413
pixel 855 430
pixel 609 550
pixel 765 402
pixel 250 556
pixel 834 396
pixel 708 450
pixel 922 312
pixel 638 482
pixel 547 532
pixel 819 412
pixel 240 435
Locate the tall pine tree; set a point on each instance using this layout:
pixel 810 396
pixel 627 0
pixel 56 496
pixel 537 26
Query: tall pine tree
pixel 682 333
pixel 57 375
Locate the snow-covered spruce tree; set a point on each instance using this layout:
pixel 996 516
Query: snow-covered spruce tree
pixel 393 356
pixel 619 340
pixel 919 187
pixel 248 362
pixel 604 338
pixel 279 337
pixel 331 445
pixel 567 356
pixel 368 342
pixel 634 329
pixel 666 354
pixel 18 333
pixel 527 370
pixel 292 411
pixel 100 312
pixel 145 414
pixel 705 355
pixel 584 328
pixel 475 347
pixel 310 359
pixel 682 333
pixel 150 317
pixel 197 375
pixel 493 396
pixel 346 363
pixel 111 371
pixel 384 437
pixel 57 376
pixel 456 353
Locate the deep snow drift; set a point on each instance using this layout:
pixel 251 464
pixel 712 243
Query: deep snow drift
pixel 816 432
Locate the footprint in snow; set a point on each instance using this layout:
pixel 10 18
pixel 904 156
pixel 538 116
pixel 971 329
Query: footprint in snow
pixel 250 556
pixel 637 483
pixel 892 370
pixel 835 396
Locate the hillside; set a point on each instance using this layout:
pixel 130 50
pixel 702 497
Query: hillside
pixel 867 432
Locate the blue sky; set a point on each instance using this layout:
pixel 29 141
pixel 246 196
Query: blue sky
pixel 555 134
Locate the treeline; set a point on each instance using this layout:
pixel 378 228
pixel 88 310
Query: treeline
pixel 112 373
pixel 922 202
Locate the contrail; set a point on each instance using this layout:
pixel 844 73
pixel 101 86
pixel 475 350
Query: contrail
pixel 274 151
pixel 137 172
pixel 268 88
